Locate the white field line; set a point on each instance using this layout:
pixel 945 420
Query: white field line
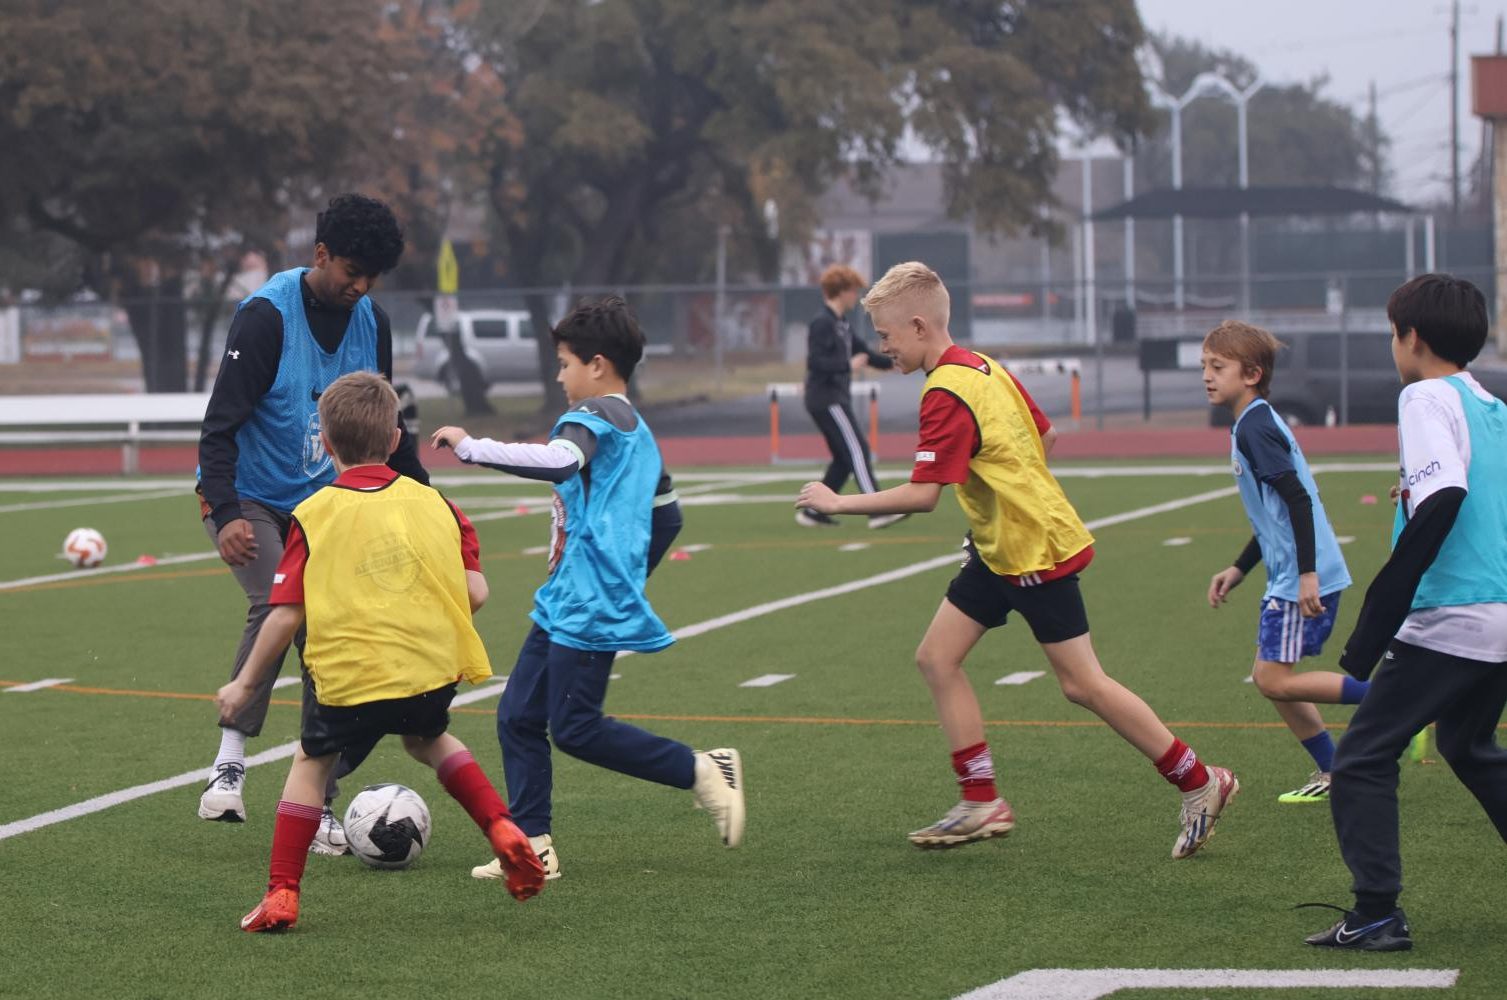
pixel 766 680
pixel 482 478
pixel 46 682
pixel 194 777
pixel 79 574
pixel 101 802
pixel 1021 677
pixel 1090 984
pixel 17 508
pixel 283 682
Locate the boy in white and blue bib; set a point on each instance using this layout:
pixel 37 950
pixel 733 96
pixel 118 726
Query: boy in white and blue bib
pixel 1305 571
pixel 615 514
pixel 1436 614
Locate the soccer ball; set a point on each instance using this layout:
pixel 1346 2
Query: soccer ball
pixel 85 548
pixel 387 826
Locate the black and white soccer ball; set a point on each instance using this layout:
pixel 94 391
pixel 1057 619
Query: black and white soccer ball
pixel 387 826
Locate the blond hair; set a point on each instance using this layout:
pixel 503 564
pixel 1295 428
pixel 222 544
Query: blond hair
pixel 911 279
pixel 1254 348
pixel 358 414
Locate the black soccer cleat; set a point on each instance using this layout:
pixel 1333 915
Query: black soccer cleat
pixel 1390 933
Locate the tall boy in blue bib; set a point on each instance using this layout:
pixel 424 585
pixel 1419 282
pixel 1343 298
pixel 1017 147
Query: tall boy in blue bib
pixel 615 513
pixel 1436 614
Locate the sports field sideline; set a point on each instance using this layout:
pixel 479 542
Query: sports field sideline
pixel 796 647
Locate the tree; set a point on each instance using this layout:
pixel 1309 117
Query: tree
pixel 164 139
pixel 636 114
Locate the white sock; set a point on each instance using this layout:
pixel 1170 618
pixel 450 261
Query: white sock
pixel 232 748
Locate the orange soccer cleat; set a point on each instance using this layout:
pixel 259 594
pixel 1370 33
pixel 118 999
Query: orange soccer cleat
pixel 521 866
pixel 277 911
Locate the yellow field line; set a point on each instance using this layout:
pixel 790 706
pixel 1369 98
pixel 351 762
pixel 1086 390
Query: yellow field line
pixel 784 720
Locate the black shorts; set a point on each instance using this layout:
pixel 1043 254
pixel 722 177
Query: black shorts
pixel 330 729
pixel 1054 609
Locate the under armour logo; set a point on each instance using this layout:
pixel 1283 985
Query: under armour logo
pixel 234 355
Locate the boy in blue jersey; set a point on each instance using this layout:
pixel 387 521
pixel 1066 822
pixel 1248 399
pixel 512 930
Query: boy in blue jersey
pixel 1304 569
pixel 614 516
pixel 1436 614
pixel 260 454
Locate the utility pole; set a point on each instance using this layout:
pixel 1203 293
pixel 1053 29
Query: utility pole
pixel 1454 109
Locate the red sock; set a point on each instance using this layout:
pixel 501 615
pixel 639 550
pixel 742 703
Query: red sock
pixel 464 780
pixel 1181 766
pixel 975 771
pixel 291 836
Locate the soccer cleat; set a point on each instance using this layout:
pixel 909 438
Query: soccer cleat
pixel 965 823
pixel 1201 810
pixel 543 845
pixel 719 790
pixel 1315 790
pixel 277 911
pixel 222 795
pixel 1390 933
pixel 885 520
pixel 329 839
pixel 813 519
pixel 521 868
pixel 1418 746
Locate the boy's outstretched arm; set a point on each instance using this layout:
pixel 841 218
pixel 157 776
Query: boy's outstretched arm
pixel 551 463
pixel 1390 596
pixel 277 632
pixel 907 498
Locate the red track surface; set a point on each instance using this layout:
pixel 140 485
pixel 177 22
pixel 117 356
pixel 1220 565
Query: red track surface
pixel 1195 442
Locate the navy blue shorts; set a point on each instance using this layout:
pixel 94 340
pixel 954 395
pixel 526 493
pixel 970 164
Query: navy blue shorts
pixel 1285 636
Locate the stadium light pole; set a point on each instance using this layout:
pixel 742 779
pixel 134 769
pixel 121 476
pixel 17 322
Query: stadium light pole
pixel 1206 83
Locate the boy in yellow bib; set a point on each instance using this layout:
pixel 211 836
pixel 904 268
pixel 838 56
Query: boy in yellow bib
pixel 1025 549
pixel 387 574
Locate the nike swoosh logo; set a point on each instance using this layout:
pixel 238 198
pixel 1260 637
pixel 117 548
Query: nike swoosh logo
pixel 1344 935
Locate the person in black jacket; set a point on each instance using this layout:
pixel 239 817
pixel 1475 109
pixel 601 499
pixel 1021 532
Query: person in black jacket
pixel 259 449
pixel 833 353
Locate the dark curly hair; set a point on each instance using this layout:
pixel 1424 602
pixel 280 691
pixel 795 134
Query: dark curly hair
pixel 607 327
pixel 362 230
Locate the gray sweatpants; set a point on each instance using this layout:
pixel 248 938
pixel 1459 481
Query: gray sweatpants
pixel 1413 687
pixel 270 528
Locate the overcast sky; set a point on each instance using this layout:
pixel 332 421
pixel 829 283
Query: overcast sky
pixel 1403 45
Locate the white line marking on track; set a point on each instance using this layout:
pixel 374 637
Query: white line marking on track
pixel 1021 677
pixel 37 685
pixel 17 508
pixel 283 682
pixel 766 680
pixel 853 547
pixel 102 802
pixel 194 777
pixel 1090 984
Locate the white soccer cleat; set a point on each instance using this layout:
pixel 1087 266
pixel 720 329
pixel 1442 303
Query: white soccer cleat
pixel 719 790
pixel 965 823
pixel 222 795
pixel 543 845
pixel 329 839
pixel 1201 810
